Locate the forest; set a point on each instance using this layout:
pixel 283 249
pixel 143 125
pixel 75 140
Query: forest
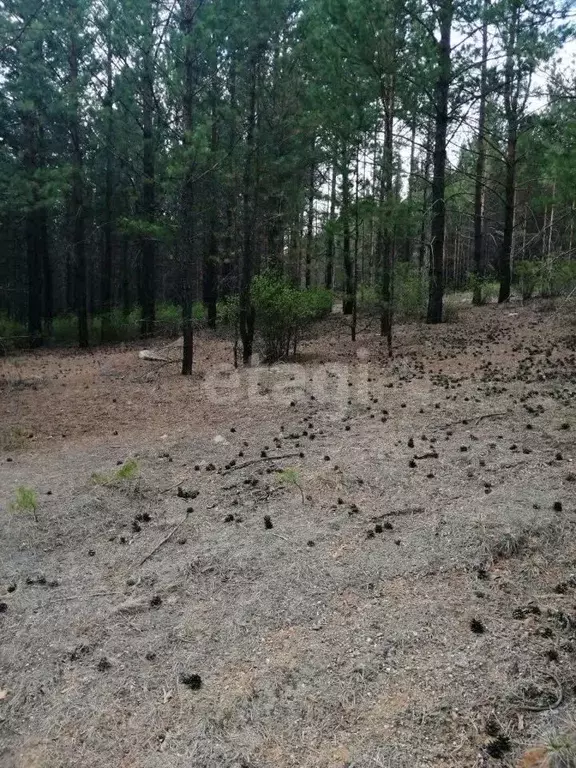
pixel 287 384
pixel 163 163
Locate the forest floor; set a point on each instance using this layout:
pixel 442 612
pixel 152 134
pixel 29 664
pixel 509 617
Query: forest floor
pixel 402 594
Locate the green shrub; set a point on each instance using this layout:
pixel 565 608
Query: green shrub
pixel 227 312
pixel 13 334
pixel 410 292
pixel 487 287
pixel 367 298
pixel 283 312
pixel 558 277
pixel 25 500
pixel 529 275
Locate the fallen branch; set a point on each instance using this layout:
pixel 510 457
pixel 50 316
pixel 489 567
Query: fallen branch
pixel 544 707
pixel 164 540
pixel 466 420
pixel 400 513
pixel 256 461
pixel 491 415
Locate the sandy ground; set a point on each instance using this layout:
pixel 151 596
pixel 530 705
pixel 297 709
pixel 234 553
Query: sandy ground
pixel 397 588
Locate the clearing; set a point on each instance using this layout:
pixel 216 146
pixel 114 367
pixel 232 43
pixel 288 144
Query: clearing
pixel 398 591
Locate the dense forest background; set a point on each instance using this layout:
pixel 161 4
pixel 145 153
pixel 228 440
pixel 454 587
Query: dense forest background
pixel 194 161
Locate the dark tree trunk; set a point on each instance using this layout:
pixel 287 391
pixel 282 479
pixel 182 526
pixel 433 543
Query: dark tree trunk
pixel 348 302
pixel 229 272
pixel 77 197
pixel 509 209
pixel 33 233
pixel 148 196
pixel 412 174
pixel 425 200
pixel 126 295
pixel 106 263
pixel 480 163
pixel 47 276
pixel 385 238
pixel 511 93
pixel 247 315
pixel 438 202
pixel 330 239
pixel 310 222
pixel 188 223
pixel 210 282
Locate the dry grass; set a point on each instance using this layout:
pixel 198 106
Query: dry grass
pixel 331 639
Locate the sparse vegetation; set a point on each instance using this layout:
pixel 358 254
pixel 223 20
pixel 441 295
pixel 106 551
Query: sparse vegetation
pixel 25 501
pixel 290 476
pixel 129 470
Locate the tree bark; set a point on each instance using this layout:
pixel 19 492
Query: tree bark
pixel 106 263
pixel 77 193
pixel 511 101
pixel 148 197
pixel 211 264
pixel 479 193
pixel 188 223
pixel 247 314
pixel 348 302
pixel 438 202
pixel 330 239
pixel 33 234
pixel 310 222
pixel 384 237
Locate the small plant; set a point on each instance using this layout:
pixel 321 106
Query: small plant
pixel 26 500
pixel 556 751
pixel 290 476
pixel 529 276
pixel 128 471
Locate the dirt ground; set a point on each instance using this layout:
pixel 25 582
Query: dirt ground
pixel 396 588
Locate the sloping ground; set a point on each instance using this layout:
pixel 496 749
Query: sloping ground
pixel 401 594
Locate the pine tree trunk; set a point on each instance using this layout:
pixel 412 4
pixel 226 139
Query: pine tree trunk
pixel 47 276
pixel 425 201
pixel 385 235
pixel 188 213
pixel 77 197
pixel 33 234
pixel 479 194
pixel 348 302
pixel 106 263
pixel 511 102
pixel 148 196
pixel 247 315
pixel 438 202
pixel 330 239
pixel 210 277
pixel 310 222
pixel 408 234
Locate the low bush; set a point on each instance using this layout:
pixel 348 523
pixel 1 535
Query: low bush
pixel 283 312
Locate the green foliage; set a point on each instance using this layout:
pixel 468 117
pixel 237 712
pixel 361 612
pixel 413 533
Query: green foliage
pixel 410 292
pixel 25 500
pixel 488 288
pixel 291 476
pixel 13 335
pixel 284 312
pixel 128 471
pixel 529 276
pixel 558 277
pixel 227 312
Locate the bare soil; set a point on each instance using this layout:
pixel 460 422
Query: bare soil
pixel 405 595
